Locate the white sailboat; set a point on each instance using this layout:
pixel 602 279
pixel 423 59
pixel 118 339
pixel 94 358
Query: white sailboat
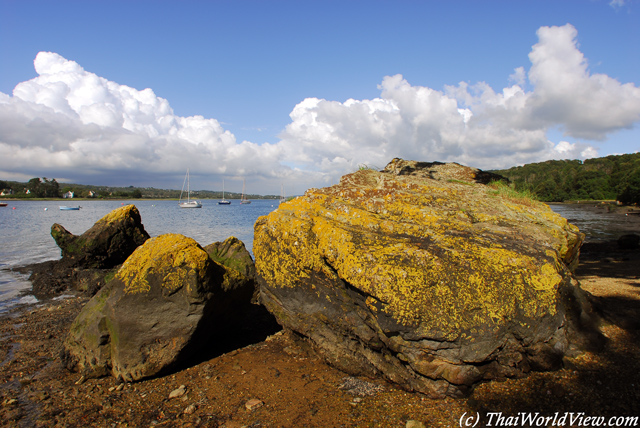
pixel 223 201
pixel 189 203
pixel 282 199
pixel 243 198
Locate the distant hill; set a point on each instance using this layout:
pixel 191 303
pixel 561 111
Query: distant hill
pixel 49 188
pixel 607 178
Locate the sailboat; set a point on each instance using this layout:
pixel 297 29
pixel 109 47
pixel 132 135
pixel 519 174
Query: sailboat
pixel 282 199
pixel 189 203
pixel 223 201
pixel 243 198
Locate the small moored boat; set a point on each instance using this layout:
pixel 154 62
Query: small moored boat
pixel 243 198
pixel 223 201
pixel 65 208
pixel 189 203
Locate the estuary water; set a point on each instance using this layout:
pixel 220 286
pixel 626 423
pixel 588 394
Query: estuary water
pixel 597 222
pixel 25 230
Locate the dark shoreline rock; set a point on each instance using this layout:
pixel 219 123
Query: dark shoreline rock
pixel 168 300
pixel 88 260
pixel 107 243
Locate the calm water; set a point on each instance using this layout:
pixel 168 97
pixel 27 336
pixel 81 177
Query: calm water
pixel 597 223
pixel 25 232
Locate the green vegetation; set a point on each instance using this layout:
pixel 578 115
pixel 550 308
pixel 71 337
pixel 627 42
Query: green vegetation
pixel 615 177
pixel 465 183
pixel 510 192
pixel 365 167
pixel 44 188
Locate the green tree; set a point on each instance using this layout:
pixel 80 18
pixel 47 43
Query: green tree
pixel 50 188
pixel 598 178
pixel 45 188
pixel 34 186
pixel 631 192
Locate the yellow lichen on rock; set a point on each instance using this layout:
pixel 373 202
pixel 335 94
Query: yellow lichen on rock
pixel 119 213
pixel 177 257
pixel 425 274
pixel 421 260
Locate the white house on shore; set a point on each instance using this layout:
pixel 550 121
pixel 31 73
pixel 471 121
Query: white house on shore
pixel 68 195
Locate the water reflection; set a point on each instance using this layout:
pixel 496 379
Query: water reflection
pixel 597 222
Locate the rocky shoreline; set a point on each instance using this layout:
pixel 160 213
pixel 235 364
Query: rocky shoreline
pixel 278 382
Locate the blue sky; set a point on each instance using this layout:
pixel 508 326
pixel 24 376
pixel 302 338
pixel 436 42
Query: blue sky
pixel 302 92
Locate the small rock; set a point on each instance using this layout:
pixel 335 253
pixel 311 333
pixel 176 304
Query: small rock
pixel 10 402
pixel 253 404
pixel 178 392
pixel 41 395
pixel 291 351
pixel 190 409
pixel 414 424
pixel 25 381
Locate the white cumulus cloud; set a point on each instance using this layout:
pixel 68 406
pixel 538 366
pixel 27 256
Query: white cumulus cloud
pixel 68 122
pixel 472 124
pixel 71 124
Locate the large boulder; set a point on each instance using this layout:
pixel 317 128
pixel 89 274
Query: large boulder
pixel 167 300
pixel 88 258
pixel 425 276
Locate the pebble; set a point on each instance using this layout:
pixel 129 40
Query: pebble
pixel 41 395
pixel 414 424
pixel 10 402
pixel 253 404
pixel 178 392
pixel 356 401
pixel 190 409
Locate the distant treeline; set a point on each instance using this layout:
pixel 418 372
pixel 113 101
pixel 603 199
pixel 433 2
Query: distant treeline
pixel 50 188
pixel 607 178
